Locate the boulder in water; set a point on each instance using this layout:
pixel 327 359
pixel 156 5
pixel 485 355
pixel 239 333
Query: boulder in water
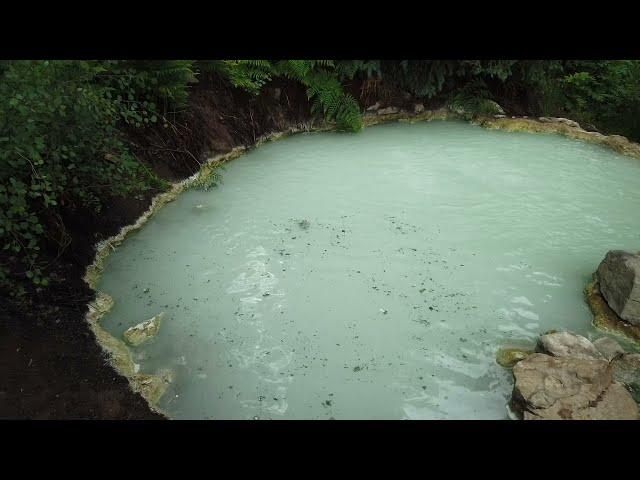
pixel 619 280
pixel 555 388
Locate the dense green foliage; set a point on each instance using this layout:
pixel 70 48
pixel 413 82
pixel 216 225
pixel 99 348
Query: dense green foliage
pixel 62 123
pixel 605 93
pixel 60 147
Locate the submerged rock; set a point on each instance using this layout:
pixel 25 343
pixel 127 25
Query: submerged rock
pixel 143 331
pixel 567 344
pixel 619 278
pixel 508 357
pixel 608 347
pixel 555 388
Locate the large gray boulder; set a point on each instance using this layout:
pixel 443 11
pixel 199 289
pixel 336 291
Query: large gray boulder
pixel 555 388
pixel 619 278
pixel 567 344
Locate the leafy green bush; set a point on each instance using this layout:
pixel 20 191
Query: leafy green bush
pixel 60 147
pixel 606 93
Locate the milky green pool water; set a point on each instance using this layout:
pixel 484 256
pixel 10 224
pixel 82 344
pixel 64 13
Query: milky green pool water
pixel 424 248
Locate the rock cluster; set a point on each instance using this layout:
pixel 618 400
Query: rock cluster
pixel 569 377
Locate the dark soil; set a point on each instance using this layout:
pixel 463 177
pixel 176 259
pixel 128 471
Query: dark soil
pixel 51 366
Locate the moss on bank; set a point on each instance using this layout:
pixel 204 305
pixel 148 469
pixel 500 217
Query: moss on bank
pixel 508 357
pixel 617 143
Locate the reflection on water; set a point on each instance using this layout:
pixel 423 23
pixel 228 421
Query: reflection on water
pixel 371 275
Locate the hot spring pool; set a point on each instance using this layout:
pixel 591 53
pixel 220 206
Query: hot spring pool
pixel 371 276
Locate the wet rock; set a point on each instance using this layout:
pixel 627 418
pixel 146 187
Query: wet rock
pixel 508 357
pixel 619 282
pixel 144 331
pixel 555 388
pixel 605 318
pixel 418 108
pixel 567 344
pixel 388 111
pixel 619 279
pixel 590 128
pixel 626 370
pixel 608 347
